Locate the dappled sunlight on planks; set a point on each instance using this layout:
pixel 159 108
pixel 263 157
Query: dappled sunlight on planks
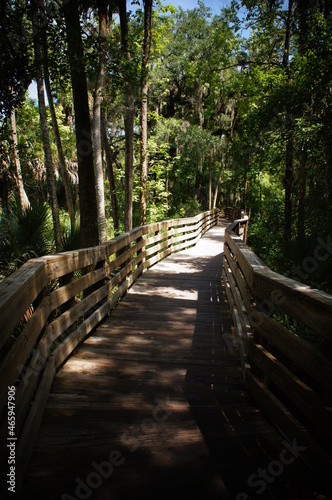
pixel 160 381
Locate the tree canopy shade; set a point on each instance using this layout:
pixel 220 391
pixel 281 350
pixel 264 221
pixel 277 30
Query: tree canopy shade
pixel 174 111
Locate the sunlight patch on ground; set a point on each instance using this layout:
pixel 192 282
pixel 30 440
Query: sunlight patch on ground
pixel 168 292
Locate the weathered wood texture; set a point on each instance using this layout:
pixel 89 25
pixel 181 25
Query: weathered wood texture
pixel 289 375
pixel 160 383
pixel 66 297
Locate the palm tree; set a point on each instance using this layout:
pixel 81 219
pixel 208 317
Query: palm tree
pixel 24 235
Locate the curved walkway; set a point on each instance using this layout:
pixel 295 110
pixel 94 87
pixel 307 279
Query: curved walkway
pixel 152 405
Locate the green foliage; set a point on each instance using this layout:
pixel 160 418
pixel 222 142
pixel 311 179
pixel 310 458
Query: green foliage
pixel 16 60
pixel 24 236
pixel 218 106
pixel 70 235
pixel 279 105
pixel 299 329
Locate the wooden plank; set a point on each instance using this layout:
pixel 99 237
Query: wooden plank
pixel 124 240
pixel 318 458
pixel 63 322
pixel 239 278
pixel 295 389
pixel 29 382
pixel 126 271
pixel 190 241
pixel 241 311
pixel 66 262
pixel 156 248
pixel 60 296
pixel 248 261
pixel 27 439
pixel 19 291
pixel 156 238
pixel 64 350
pixel 237 299
pixel 296 349
pixel 185 235
pixel 241 332
pixel 127 255
pixel 15 360
pixel 311 307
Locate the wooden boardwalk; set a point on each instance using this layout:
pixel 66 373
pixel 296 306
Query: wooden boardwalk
pixel 152 405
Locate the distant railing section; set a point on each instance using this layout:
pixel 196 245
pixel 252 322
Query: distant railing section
pixel 284 336
pixel 51 304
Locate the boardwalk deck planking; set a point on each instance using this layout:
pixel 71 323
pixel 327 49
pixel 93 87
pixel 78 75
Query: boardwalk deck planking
pixel 160 383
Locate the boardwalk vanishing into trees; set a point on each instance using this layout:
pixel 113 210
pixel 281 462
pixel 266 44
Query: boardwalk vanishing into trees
pixel 153 405
pixel 144 359
pixel 192 385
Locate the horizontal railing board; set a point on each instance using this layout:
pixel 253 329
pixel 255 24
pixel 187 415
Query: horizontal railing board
pixel 293 387
pixel 248 261
pixel 311 450
pixel 240 280
pixel 27 439
pixel 63 351
pixel 20 289
pixel 15 360
pixel 311 307
pixel 238 301
pixel 296 349
pixel 294 376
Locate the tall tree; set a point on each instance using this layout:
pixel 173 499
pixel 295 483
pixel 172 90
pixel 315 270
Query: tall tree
pixel 61 157
pixel 96 123
pixel 24 200
pixel 110 172
pixel 144 106
pixel 38 27
pixel 129 121
pixel 87 190
pixel 15 76
pixel 289 142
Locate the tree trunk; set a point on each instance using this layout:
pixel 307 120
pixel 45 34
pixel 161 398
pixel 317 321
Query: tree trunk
pixel 210 186
pixel 129 124
pixel 288 181
pixel 288 188
pixel 129 163
pixel 302 182
pixel 144 108
pixel 24 200
pixel 215 197
pixel 38 34
pixel 87 189
pixel 245 193
pixel 109 164
pixel 96 123
pixel 61 157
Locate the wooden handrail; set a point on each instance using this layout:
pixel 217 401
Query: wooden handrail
pixel 288 375
pixel 67 296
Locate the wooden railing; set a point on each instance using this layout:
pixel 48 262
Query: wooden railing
pixel 284 336
pixel 51 304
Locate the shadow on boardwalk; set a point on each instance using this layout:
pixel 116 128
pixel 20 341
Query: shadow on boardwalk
pixel 152 405
pixel 252 457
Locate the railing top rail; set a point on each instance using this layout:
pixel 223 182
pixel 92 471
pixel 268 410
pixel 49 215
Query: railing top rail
pixel 284 338
pixel 310 306
pixel 22 287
